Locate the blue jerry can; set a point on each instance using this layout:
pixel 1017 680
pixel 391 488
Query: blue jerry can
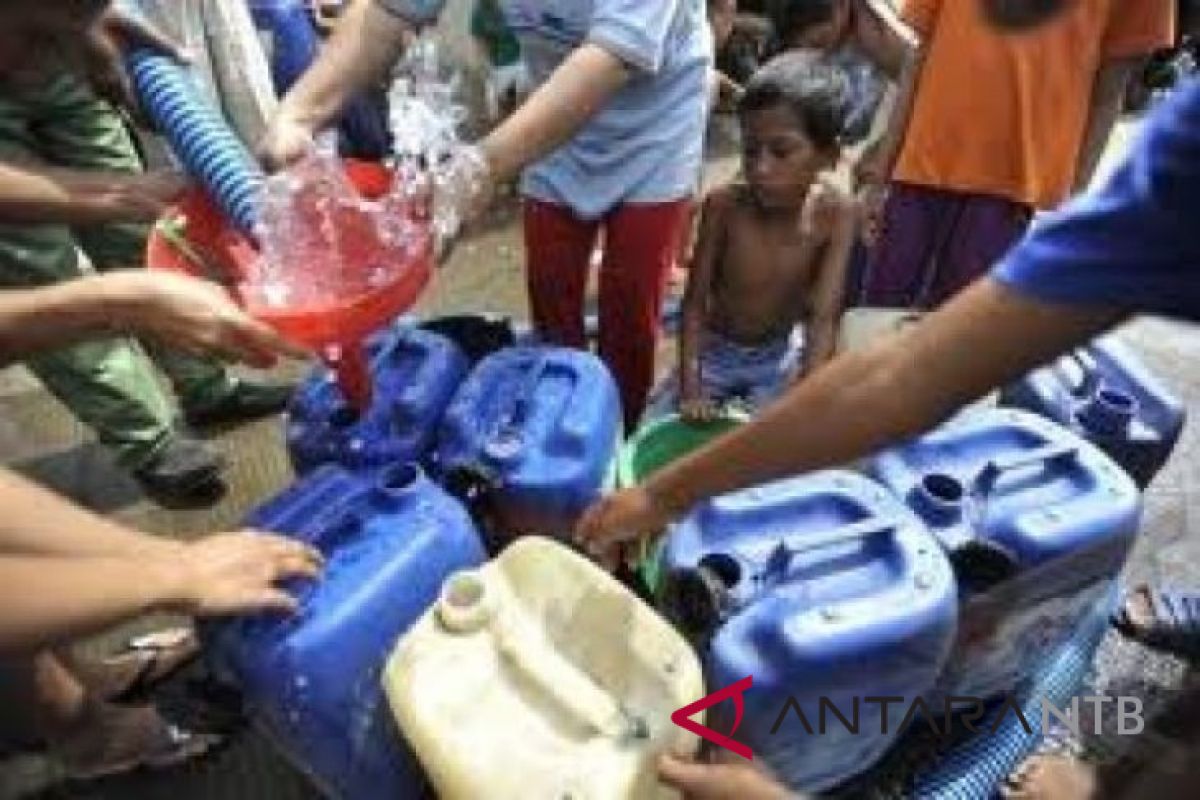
pixel 312 681
pixel 415 374
pixel 539 428
pixel 1036 521
pixel 826 591
pixel 1107 395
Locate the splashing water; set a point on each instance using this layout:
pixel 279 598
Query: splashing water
pixel 321 242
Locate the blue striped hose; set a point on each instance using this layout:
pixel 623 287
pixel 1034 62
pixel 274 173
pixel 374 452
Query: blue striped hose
pixel 975 769
pixel 198 134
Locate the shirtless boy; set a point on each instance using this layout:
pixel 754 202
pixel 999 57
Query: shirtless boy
pixel 764 292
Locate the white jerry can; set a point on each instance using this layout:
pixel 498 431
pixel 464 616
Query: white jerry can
pixel 540 676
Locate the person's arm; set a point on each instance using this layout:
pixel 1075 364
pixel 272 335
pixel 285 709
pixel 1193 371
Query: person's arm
pixel 366 42
pixel 50 600
pixel 40 194
pixel 189 314
pixel 36 522
pixel 1134 31
pixel 883 37
pixel 709 244
pixel 876 165
pixel 827 295
pixel 574 93
pixel 1108 95
pixel 862 401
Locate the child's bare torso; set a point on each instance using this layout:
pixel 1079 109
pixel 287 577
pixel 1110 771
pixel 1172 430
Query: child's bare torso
pixel 765 270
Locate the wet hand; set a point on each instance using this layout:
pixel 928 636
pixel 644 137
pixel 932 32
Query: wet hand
pixel 193 315
pixel 741 781
pixel 286 142
pixel 238 573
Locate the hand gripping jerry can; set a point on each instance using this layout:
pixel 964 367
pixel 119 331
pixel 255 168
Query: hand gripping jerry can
pixel 415 374
pixel 539 427
pixel 540 676
pixel 312 681
pixel 825 591
pixel 1107 395
pixel 1036 521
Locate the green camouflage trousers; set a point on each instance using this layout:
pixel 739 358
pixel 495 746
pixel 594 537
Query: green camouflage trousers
pixel 109 384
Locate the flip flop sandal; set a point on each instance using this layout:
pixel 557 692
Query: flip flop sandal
pixel 176 746
pixel 160 655
pixel 1175 623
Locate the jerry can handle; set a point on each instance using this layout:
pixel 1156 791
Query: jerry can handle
pixel 518 412
pixel 781 556
pixel 1057 454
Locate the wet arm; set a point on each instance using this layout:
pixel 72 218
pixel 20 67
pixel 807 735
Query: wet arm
pixel 900 387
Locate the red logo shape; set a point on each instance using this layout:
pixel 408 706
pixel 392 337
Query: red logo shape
pixel 683 717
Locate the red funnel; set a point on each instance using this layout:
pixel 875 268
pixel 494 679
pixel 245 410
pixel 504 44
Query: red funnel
pixel 208 246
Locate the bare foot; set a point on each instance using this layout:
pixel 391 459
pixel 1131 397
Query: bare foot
pixel 1052 778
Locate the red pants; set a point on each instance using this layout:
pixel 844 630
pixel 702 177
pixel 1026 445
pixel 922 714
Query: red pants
pixel 641 245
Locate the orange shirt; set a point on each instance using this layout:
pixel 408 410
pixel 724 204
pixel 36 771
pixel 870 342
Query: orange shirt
pixel 1005 114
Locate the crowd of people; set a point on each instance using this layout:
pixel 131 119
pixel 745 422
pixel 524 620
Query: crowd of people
pixel 876 171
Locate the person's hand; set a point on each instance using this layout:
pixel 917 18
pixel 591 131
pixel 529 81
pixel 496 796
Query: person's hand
pixel 141 197
pixel 107 38
pixel 238 573
pixel 741 781
pixel 620 517
pixel 463 190
pixel 286 142
pixel 192 315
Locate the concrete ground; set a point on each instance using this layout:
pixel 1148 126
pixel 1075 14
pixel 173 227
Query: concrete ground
pixel 38 438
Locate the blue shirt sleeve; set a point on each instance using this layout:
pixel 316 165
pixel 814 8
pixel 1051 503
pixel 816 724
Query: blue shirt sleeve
pixel 636 31
pixel 1135 243
pixel 418 12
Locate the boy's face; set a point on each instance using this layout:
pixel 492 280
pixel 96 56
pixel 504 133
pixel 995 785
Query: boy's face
pixel 780 162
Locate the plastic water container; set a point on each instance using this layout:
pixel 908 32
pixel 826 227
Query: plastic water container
pixel 1107 395
pixel 540 676
pixel 415 374
pixel 312 681
pixel 1037 522
pixel 825 589
pixel 538 427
